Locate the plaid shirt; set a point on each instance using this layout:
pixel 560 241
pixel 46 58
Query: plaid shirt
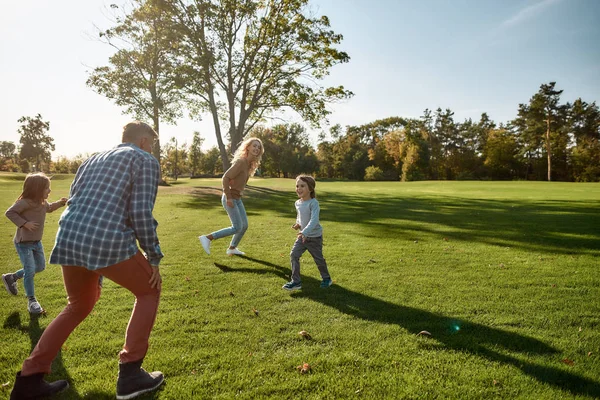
pixel 109 207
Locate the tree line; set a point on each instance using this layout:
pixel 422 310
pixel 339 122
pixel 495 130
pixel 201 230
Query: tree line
pixel 548 140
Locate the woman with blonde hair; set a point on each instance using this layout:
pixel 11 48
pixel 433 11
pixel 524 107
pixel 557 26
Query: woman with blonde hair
pixel 245 163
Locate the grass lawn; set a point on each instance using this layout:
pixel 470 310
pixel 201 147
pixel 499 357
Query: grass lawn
pixel 503 275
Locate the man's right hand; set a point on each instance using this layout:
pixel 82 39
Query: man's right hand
pixel 155 280
pixel 30 225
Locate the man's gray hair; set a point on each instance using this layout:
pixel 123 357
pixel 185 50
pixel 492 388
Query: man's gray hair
pixel 134 131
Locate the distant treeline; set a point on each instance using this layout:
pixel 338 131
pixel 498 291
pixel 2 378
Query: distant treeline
pixel 546 141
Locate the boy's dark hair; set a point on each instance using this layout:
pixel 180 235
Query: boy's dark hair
pixel 310 181
pixel 34 186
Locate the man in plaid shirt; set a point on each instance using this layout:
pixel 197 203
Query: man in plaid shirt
pixel 109 213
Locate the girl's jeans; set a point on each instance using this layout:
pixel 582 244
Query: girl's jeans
pixel 33 261
pixel 314 245
pixel 239 222
pixel 83 291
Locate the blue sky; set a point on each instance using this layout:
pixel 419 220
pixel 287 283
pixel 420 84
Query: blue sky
pixel 471 56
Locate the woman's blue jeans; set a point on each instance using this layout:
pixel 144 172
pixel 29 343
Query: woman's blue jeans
pixel 33 261
pixel 239 222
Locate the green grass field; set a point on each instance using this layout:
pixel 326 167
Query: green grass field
pixel 504 275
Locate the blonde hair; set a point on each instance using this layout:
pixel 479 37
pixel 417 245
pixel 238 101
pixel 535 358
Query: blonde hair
pixel 242 152
pixel 34 186
pixel 310 182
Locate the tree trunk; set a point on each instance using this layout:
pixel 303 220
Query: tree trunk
pixel 156 146
pixel 548 149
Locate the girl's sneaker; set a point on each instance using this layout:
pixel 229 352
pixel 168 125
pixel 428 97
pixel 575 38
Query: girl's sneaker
pixel 291 285
pixel 34 307
pixel 325 283
pixel 10 283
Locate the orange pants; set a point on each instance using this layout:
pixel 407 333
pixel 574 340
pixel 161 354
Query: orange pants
pixel 83 292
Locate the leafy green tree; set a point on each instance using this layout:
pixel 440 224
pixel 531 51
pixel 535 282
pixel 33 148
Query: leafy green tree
pixel 373 173
pixel 174 160
pixel 211 162
pixel 60 166
pixel 195 154
pixel 409 149
pixel 372 135
pixel 7 149
pixel 501 154
pixel 7 156
pixel 584 125
pixel 36 144
pixel 243 60
pixel 287 150
pixel 350 157
pixel 140 76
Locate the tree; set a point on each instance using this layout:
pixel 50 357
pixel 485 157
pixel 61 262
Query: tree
pixel 195 154
pixel 501 154
pixel 7 156
pixel 584 126
pixel 7 149
pixel 287 150
pixel 211 162
pixel 174 159
pixel 140 75
pixel 541 125
pixel 243 60
pixel 36 145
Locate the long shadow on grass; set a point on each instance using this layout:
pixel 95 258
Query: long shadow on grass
pixel 567 227
pixel 447 333
pixel 58 368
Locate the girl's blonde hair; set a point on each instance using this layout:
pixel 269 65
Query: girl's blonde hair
pixel 34 187
pixel 242 152
pixel 310 182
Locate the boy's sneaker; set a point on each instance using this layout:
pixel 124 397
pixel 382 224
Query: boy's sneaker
pixel 235 252
pixel 325 283
pixel 292 285
pixel 10 283
pixel 205 243
pixel 34 307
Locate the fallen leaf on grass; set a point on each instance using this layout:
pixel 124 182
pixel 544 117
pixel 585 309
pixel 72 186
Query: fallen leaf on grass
pixel 496 383
pixel 304 368
pixel 231 294
pixel 5 385
pixel 305 335
pixel 372 260
pixel 255 311
pixel 580 329
pixel 589 353
pixel 187 278
pixel 568 362
pixel 423 333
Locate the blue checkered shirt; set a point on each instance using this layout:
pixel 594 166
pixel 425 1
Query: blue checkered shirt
pixel 109 208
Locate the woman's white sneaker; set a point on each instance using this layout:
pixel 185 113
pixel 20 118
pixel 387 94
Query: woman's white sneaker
pixel 205 243
pixel 235 252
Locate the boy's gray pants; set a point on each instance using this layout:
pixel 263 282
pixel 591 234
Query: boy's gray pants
pixel 314 245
